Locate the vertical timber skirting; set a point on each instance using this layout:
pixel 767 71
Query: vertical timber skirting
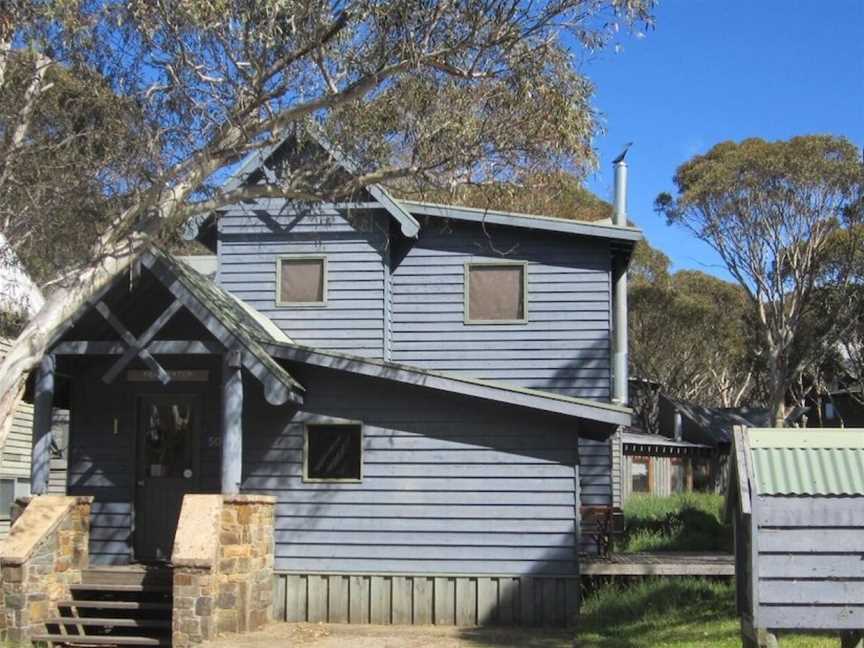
pixel 45 552
pixel 460 600
pixel 223 566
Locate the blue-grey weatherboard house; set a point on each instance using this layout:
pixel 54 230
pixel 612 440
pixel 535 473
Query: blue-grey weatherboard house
pixel 426 390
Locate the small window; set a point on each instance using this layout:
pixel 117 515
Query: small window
pixel 495 293
pixel 677 475
pixel 333 453
pixel 829 411
pixel 640 474
pixel 7 497
pixel 301 281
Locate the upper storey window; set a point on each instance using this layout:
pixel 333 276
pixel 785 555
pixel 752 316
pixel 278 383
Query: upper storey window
pixel 301 281
pixel 496 293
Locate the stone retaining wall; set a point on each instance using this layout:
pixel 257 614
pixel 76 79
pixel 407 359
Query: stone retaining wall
pixel 45 552
pixel 223 566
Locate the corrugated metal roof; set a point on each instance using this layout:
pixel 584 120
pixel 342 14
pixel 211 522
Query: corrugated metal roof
pixel 808 461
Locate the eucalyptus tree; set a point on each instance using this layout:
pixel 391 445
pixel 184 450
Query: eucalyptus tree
pixel 776 213
pixel 437 92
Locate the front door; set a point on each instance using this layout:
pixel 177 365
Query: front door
pixel 167 469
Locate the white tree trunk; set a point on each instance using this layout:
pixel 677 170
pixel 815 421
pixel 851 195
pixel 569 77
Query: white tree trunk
pixel 59 306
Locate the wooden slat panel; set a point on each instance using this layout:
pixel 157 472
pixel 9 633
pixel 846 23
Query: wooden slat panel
pixel 799 592
pixel 337 590
pixel 810 511
pixel 466 601
pixel 359 599
pixel 810 566
pixel 403 597
pixel 278 613
pixel 381 593
pixel 827 617
pixel 317 599
pixel 423 600
pixel 508 600
pixel 804 540
pixel 528 612
pixel 295 598
pixel 487 600
pixel 445 601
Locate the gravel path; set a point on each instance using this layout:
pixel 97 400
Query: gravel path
pixel 360 636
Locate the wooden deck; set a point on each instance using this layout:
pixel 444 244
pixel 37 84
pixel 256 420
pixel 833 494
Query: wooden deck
pixel 660 564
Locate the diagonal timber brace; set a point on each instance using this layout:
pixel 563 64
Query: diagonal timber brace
pixel 136 347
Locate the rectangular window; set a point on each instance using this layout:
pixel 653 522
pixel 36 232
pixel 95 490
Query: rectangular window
pixel 677 475
pixel 7 497
pixel 639 474
pixel 496 293
pixel 333 453
pixel 301 281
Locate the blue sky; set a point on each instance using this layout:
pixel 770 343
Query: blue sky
pixel 715 70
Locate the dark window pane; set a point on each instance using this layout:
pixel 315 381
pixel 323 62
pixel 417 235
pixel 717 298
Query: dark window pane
pixel 168 440
pixel 333 452
pixel 702 475
pixel 496 292
pixel 7 497
pixel 302 280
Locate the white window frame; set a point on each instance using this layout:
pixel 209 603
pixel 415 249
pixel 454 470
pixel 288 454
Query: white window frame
pixel 319 480
pixel 301 257
pixel 467 292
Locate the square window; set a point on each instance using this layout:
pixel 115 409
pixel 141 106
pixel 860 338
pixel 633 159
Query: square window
pixel 333 453
pixel 496 293
pixel 301 281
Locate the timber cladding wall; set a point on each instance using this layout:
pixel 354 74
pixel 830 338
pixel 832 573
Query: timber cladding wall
pixel 353 318
pixel 422 599
pixel 810 551
pixel 451 485
pixel 563 347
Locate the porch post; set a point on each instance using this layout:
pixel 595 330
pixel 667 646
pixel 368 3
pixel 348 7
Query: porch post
pixel 232 422
pixel 43 401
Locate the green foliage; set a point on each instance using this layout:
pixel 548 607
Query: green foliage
pixel 557 194
pixel 689 334
pixel 784 218
pixel 682 522
pixel 669 613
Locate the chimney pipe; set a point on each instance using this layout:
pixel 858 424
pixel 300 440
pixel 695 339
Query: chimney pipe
pixel 619 316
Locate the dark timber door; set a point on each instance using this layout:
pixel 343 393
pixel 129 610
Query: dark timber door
pixel 167 469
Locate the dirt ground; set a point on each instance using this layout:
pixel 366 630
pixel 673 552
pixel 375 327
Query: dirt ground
pixel 358 636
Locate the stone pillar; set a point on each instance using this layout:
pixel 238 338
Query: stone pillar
pixel 43 402
pixel 45 552
pixel 223 566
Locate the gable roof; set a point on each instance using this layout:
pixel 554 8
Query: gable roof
pixel 258 160
pixel 405 211
pixel 600 412
pixel 234 324
pixel 808 461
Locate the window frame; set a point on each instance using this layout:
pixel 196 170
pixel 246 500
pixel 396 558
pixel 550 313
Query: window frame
pixel 467 291
pixel 324 280
pixel 336 480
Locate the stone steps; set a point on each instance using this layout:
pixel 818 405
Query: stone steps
pixel 122 607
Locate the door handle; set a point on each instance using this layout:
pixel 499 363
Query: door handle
pixel 140 482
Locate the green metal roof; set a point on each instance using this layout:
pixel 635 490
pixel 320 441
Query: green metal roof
pixel 810 461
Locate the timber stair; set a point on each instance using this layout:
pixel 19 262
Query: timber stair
pixel 129 606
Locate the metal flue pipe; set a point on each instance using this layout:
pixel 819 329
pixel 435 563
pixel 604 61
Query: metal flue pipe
pixel 620 390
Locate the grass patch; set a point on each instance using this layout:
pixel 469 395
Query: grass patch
pixel 682 522
pixel 669 613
